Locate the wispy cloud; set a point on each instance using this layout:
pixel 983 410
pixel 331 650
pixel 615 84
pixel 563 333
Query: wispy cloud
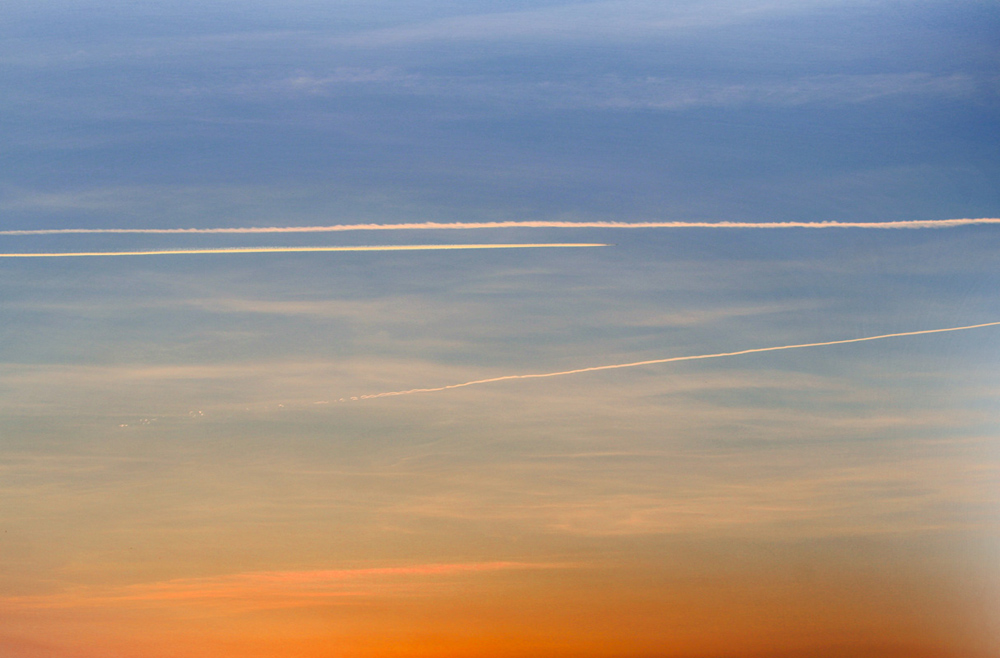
pixel 795 489
pixel 673 94
pixel 617 92
pixel 617 20
pixel 434 226
pixel 273 589
pixel 273 250
pixel 668 360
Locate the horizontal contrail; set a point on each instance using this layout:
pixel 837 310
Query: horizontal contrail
pixel 279 250
pixel 670 360
pixel 418 226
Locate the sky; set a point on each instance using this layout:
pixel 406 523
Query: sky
pixel 307 313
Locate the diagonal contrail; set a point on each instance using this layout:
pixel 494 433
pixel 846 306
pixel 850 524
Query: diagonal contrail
pixel 417 226
pixel 670 360
pixel 280 250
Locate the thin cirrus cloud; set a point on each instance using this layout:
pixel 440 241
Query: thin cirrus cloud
pixel 871 498
pixel 649 92
pixel 673 359
pixel 273 589
pixel 423 226
pixel 617 20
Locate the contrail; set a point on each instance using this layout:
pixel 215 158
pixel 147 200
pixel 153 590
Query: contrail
pixel 274 250
pixel 670 360
pixel 421 226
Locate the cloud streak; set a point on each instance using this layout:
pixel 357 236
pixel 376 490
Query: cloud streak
pixel 273 589
pixel 435 226
pixel 669 360
pixel 279 250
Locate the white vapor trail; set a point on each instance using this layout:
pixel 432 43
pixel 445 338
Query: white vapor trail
pixel 273 250
pixel 670 360
pixel 418 226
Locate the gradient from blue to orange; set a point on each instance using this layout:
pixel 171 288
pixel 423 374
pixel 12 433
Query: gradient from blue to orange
pixel 192 462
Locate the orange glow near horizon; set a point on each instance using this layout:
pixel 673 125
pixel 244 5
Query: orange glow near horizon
pixel 503 609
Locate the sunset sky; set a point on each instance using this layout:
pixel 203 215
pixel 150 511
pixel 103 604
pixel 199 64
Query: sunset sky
pixel 307 308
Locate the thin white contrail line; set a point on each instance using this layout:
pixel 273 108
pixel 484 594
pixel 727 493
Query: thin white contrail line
pixel 670 360
pixel 274 250
pixel 417 226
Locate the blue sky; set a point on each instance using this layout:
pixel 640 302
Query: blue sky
pixel 250 113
